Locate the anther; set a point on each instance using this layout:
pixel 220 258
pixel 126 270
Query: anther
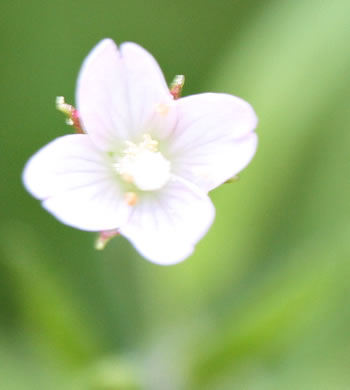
pixel 104 237
pixel 131 198
pixel 70 112
pixel 143 165
pixel 177 85
pixel 162 109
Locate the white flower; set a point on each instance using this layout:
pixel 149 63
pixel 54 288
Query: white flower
pixel 146 161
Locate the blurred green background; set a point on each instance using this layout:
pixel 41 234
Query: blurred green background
pixel 264 301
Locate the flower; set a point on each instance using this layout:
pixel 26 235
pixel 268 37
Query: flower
pixel 146 161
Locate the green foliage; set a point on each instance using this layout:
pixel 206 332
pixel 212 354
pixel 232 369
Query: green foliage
pixel 263 302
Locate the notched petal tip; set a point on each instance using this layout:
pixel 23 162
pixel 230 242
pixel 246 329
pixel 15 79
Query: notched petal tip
pixel 141 63
pixel 104 44
pixel 132 46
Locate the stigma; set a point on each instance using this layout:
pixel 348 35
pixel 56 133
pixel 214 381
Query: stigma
pixel 143 165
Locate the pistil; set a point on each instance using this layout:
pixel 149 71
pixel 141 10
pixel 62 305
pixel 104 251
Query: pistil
pixel 143 165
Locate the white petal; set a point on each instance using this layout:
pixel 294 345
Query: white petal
pixel 150 102
pixel 101 95
pixel 165 226
pixel 118 93
pixel 76 183
pixel 213 139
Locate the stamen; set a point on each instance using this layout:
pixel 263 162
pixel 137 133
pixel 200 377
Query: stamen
pixel 104 237
pixel 162 109
pixel 131 198
pixel 177 85
pixel 71 113
pixel 143 165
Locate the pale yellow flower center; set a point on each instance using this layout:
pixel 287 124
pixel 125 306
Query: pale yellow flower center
pixel 143 165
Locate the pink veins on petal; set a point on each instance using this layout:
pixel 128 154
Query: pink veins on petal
pixel 146 158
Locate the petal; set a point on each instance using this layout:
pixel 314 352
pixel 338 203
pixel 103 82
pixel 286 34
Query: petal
pixel 101 95
pixel 150 101
pixel 165 226
pixel 77 184
pixel 213 139
pixel 118 93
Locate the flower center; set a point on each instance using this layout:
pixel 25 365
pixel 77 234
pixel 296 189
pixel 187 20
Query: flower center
pixel 143 165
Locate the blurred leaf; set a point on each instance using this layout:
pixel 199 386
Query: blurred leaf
pixel 47 310
pixel 292 66
pixel 276 313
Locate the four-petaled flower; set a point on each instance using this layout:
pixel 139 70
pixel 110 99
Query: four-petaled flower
pixel 146 161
